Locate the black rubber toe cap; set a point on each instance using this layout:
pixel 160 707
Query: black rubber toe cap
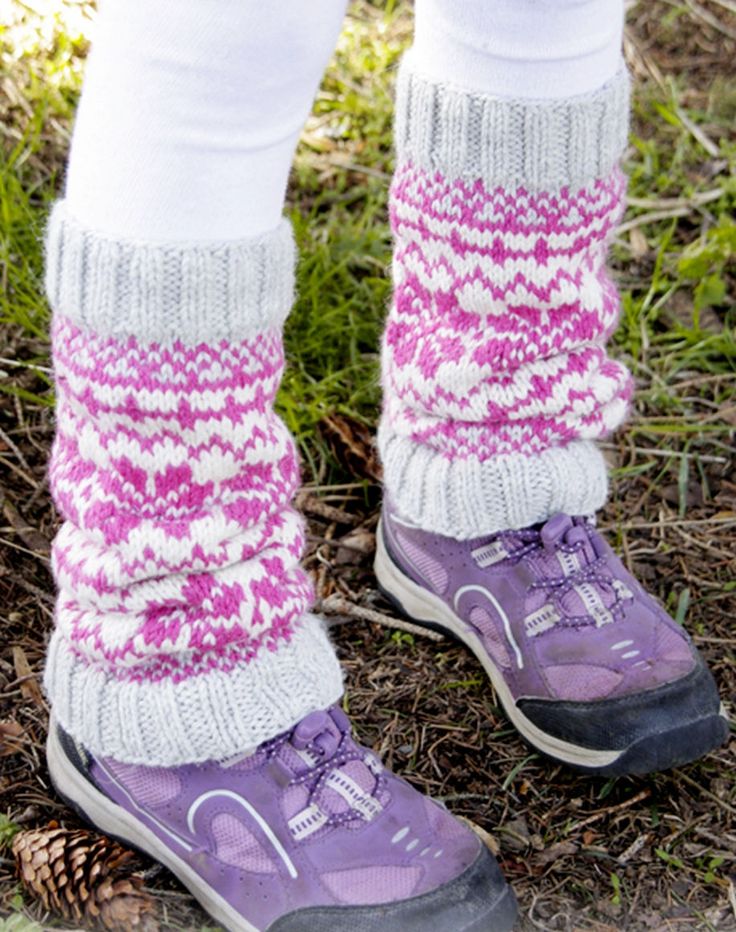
pixel 478 900
pixel 654 730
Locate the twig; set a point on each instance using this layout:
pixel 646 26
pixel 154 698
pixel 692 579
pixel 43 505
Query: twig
pixel 19 456
pixel 720 841
pixel 45 598
pixel 13 467
pixel 359 169
pixel 634 848
pixel 666 203
pixel 704 639
pixel 698 786
pixel 642 795
pixel 312 505
pixel 26 365
pixel 632 50
pixel 652 525
pixel 694 542
pixel 338 544
pixel 652 217
pixel 346 486
pixel 701 379
pixel 650 451
pixel 697 133
pixel 338 605
pixel 31 553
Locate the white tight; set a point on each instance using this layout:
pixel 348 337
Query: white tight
pixel 191 109
pixel 520 48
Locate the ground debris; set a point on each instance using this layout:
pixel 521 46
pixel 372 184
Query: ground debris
pixel 423 702
pixel 84 877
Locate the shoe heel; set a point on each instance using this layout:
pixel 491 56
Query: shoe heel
pixel 411 601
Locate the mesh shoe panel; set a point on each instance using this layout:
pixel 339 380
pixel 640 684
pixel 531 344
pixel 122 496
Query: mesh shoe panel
pixel 235 845
pixel 150 786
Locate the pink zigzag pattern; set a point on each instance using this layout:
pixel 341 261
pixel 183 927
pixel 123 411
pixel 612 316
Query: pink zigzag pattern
pixel 495 341
pixel 180 551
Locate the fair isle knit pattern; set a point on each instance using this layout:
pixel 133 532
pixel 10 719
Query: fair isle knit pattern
pixel 495 372
pixel 182 626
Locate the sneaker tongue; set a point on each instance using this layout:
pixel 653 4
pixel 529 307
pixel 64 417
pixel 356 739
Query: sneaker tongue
pixel 561 533
pixel 554 530
pixel 568 548
pixel 352 787
pixel 314 741
pixel 319 730
pixel 349 784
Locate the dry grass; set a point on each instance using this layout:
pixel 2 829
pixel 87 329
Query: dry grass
pixel 654 853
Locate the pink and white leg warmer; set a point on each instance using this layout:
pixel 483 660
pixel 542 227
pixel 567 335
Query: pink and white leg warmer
pixel 182 629
pixel 496 378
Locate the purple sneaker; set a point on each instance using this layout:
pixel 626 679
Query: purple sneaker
pixel 307 832
pixel 588 666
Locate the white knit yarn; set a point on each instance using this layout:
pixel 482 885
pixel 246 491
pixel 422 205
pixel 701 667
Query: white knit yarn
pixel 468 498
pixel 208 716
pixel 159 292
pixel 174 476
pixel 512 153
pixel 540 145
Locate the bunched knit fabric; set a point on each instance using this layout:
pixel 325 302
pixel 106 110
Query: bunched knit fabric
pixel 495 373
pixel 183 630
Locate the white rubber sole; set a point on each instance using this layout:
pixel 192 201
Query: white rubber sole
pixel 113 820
pixel 422 605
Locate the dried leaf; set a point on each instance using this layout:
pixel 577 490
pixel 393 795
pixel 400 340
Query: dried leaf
pixel 516 834
pixel 31 536
pixel 354 545
pixel 638 243
pixel 10 733
pixel 353 445
pixel 559 850
pixel 488 840
pixel 29 687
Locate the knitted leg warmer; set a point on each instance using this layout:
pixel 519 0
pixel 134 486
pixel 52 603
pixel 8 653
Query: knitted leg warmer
pixel 495 374
pixel 182 627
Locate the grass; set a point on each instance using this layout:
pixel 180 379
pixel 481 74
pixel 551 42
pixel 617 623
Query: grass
pixel 593 855
pixel 674 257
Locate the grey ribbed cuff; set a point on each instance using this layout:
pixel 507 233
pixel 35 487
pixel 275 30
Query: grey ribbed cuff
pixel 466 498
pixel 538 145
pixel 210 716
pixel 160 292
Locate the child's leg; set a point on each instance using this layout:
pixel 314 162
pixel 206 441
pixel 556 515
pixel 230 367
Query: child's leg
pixel 182 625
pixel 496 376
pixel 511 119
pixel 192 689
pixel 190 116
pixel 520 49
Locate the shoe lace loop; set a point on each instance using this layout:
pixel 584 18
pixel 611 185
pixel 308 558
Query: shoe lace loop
pixel 315 777
pixel 524 543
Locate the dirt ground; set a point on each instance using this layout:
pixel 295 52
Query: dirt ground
pixel 584 854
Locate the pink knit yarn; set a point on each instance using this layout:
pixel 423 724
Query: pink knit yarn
pixel 179 552
pixel 495 342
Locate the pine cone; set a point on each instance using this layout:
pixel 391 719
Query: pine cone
pixel 85 878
